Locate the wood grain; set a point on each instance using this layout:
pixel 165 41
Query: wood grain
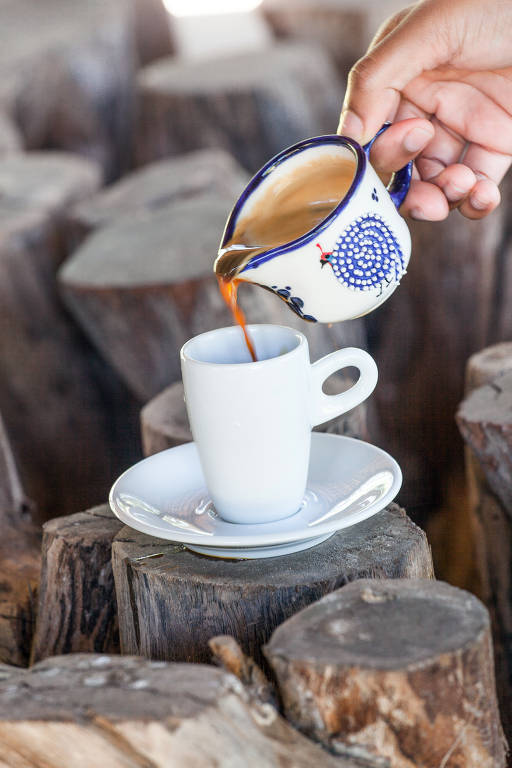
pixel 77 605
pixel 172 601
pixel 82 710
pixel 400 670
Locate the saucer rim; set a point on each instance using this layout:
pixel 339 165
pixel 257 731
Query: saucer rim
pixel 264 539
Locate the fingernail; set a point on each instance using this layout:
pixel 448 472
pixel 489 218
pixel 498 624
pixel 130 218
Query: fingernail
pixel 350 125
pixel 416 139
pixel 417 213
pixel 478 203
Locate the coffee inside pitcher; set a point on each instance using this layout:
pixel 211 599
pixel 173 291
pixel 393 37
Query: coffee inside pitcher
pixel 290 202
pixel 293 199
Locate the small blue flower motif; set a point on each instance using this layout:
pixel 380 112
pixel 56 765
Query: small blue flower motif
pixel 294 302
pixel 366 255
pixel 375 195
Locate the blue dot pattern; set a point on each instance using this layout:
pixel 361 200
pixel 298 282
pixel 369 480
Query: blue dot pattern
pixel 367 254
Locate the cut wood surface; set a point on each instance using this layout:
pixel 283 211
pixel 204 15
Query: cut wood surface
pixel 253 104
pixel 10 139
pixel 20 544
pixel 399 669
pixel 157 185
pixel 140 289
pixel 68 75
pixel 488 372
pixel 68 417
pixel 164 420
pixel 172 601
pixel 86 710
pixel 77 605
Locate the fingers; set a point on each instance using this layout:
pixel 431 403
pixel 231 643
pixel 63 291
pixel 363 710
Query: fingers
pixel 400 144
pixel 483 199
pixel 425 202
pixel 374 84
pixel 487 164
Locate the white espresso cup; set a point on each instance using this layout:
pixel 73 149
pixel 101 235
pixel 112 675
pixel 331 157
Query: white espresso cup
pixel 252 421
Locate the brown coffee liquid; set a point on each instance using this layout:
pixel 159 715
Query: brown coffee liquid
pixel 290 204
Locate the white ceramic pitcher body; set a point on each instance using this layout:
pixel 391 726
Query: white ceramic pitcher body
pixel 354 259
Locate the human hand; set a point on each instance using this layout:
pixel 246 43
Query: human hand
pixel 441 70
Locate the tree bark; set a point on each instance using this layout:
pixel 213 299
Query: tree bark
pixel 19 561
pixel 52 383
pixel 87 709
pixel 172 601
pixel 488 372
pixel 139 312
pixel 253 104
pixel 155 187
pixel 401 670
pixel 68 74
pixel 77 605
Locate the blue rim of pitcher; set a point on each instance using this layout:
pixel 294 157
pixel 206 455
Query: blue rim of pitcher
pixel 295 149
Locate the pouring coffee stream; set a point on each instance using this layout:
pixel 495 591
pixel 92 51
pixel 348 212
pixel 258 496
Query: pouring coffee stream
pixel 317 204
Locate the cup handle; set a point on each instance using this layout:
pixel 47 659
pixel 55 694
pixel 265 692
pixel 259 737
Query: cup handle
pixel 400 181
pixel 326 407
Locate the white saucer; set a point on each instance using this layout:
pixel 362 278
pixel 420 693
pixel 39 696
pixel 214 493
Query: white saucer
pixel 165 496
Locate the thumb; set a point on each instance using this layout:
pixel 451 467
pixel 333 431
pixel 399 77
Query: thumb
pixel 376 81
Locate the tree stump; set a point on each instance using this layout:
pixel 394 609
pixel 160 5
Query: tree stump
pixel 141 288
pixel 156 186
pixel 19 562
pixel 152 31
pixel 401 670
pixel 10 139
pixel 253 105
pixel 343 28
pixel 69 419
pixel 87 709
pixel 485 423
pixel 164 421
pixel 172 601
pixel 77 605
pixel 68 76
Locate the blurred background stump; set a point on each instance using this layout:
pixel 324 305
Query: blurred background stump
pixel 77 609
pixel 485 421
pixel 10 138
pixel 69 419
pixel 253 105
pixel 20 555
pixel 399 670
pixel 157 186
pixel 171 601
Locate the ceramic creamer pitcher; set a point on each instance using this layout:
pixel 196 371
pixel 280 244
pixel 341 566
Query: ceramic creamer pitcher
pixel 349 263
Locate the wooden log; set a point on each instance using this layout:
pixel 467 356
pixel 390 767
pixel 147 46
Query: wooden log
pixel 70 421
pixel 172 601
pixel 140 311
pixel 77 606
pixel 19 562
pixel 10 139
pixel 87 709
pixel 484 423
pixel 152 31
pixel 164 421
pixel 401 670
pixel 343 28
pixel 442 313
pixel 155 186
pixel 68 76
pixel 253 104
